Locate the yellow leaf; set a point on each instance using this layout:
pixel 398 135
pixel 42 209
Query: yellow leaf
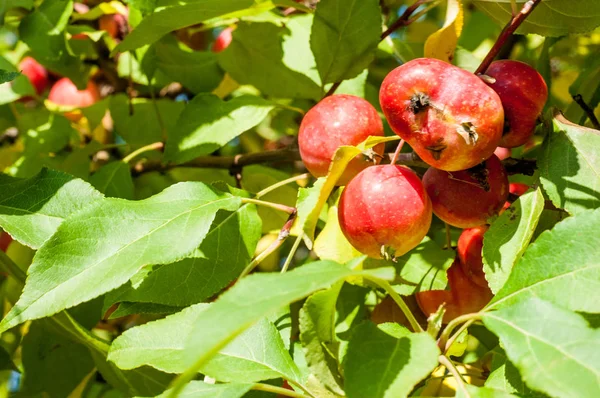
pixel 331 244
pixel 441 44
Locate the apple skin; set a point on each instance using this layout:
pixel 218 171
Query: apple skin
pixel 223 40
pixel 523 92
pixel 5 240
pixel 36 73
pixel 464 296
pixel 470 246
pixel 336 121
pixel 503 153
pixel 468 198
pixel 65 92
pixel 450 118
pixel 515 188
pixel 114 24
pixel 385 209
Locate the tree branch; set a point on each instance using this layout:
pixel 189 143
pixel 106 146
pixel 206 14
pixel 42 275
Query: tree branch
pixel 508 30
pixel 588 111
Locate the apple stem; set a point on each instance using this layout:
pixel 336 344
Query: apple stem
pixel 588 111
pixel 508 30
pixel 292 253
pixel 282 183
pixel 157 146
pixel 397 153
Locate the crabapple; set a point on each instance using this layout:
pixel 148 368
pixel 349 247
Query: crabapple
pixel 470 245
pixel 468 198
pixel 450 118
pixel 113 24
pixel 5 240
pixel 223 40
pixel 65 92
pixel 384 211
pixel 503 153
pixel 523 92
pixel 336 121
pixel 464 296
pixel 36 73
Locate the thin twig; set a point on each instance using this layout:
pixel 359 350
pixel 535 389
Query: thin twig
pixel 276 206
pixel 448 237
pixel 157 146
pixel 282 183
pixel 453 338
pixel 403 20
pixel 453 325
pixel 292 253
pixel 508 30
pixel 588 111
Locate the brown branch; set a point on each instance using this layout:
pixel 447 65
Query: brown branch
pixel 508 30
pixel 588 111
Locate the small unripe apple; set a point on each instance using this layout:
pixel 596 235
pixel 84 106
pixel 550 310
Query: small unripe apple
pixel 384 211
pixel 470 246
pixel 65 92
pixel 223 40
pixel 336 121
pixel 36 73
pixel 517 189
pixel 450 118
pixel 503 153
pixel 5 240
pixel 523 92
pixel 468 198
pixel 464 296
pixel 114 24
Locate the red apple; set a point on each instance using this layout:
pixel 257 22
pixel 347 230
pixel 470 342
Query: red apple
pixel 470 246
pixel 515 188
pixel 503 153
pixel 336 121
pixel 468 198
pixel 450 118
pixel 523 92
pixel 464 296
pixel 5 240
pixel 223 40
pixel 384 211
pixel 65 92
pixel 114 24
pixel 36 73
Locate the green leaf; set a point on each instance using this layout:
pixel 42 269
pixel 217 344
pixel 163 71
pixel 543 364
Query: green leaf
pixel 506 378
pixel 587 86
pixel 6 362
pixel 387 363
pixel 226 250
pixel 143 127
pixel 508 237
pixel 554 349
pixel 560 260
pixel 331 244
pixel 207 123
pixel 196 70
pixel 482 392
pixel 6 76
pixel 255 355
pixel 252 298
pixel 423 268
pixel 104 245
pixel 170 15
pixel 344 37
pixel 550 18
pixel 126 308
pixel 276 60
pixel 200 389
pixel 114 180
pixel 317 334
pixel 43 31
pixel 48 358
pixel 31 210
pixel 570 166
pixel 19 87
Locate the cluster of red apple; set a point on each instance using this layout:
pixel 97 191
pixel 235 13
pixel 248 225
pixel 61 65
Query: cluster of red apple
pixel 454 120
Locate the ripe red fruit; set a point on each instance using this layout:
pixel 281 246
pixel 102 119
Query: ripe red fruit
pixel 5 240
pixel 515 188
pixel 114 24
pixel 468 198
pixel 36 73
pixel 470 245
pixel 223 40
pixel 336 121
pixel 523 92
pixel 384 211
pixel 503 153
pixel 64 92
pixel 451 119
pixel 464 296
